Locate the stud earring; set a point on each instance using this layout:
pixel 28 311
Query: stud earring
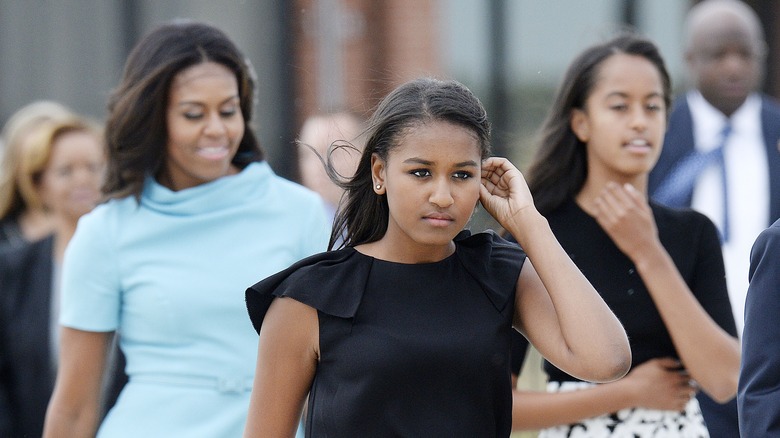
pixel 378 186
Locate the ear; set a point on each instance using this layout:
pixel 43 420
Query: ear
pixel 378 167
pixel 580 124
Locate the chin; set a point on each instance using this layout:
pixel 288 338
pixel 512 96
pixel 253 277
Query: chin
pixel 437 240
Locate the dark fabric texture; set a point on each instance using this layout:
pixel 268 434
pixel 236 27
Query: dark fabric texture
pixel 26 373
pixel 692 241
pixel 407 349
pixel 759 380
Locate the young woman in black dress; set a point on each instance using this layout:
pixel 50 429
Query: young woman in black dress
pixel 405 330
pixel 660 270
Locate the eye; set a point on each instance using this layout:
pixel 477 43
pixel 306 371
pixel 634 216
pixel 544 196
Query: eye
pixel 619 107
pixel 654 107
pixel 95 168
pixel 462 175
pixel 64 172
pixel 193 115
pixel 228 112
pixel 420 173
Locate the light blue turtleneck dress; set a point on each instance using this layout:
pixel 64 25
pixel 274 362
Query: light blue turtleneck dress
pixel 169 276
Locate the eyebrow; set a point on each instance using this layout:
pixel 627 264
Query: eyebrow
pixel 194 102
pixel 467 163
pixel 622 94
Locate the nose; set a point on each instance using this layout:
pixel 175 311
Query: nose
pixel 88 176
pixel 215 125
pixel 639 119
pixel 735 65
pixel 442 193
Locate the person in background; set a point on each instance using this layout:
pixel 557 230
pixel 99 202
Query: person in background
pixel 404 330
pixel 759 407
pixel 331 136
pixel 195 213
pixel 68 170
pixel 659 269
pixel 22 216
pixel 720 153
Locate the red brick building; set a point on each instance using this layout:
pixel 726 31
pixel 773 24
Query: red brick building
pixel 349 53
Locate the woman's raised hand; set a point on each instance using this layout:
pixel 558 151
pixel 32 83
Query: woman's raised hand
pixel 624 214
pixel 504 192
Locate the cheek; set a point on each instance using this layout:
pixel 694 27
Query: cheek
pixel 176 134
pixel 471 194
pixel 48 190
pixel 236 129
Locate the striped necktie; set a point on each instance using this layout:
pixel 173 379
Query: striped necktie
pixel 678 186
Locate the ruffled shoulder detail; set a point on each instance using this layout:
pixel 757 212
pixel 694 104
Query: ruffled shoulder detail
pixel 494 262
pixel 331 282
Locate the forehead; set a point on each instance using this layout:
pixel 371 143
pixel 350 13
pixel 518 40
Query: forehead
pixel 203 77
pixel 442 140
pixel 75 143
pixel 720 28
pixel 625 74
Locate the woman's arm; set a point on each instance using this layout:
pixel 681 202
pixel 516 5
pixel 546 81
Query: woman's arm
pixel 556 307
pixel 655 384
pixel 286 362
pixel 710 355
pixel 74 408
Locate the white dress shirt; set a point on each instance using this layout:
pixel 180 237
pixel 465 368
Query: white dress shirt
pixel 747 186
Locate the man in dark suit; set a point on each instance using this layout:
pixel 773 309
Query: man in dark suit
pixel 720 154
pixel 759 405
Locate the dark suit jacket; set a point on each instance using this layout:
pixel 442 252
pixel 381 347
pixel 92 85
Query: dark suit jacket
pixel 721 418
pixel 26 374
pixel 679 142
pixel 759 380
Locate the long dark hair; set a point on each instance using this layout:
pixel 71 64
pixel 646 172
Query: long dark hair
pixel 136 129
pixel 559 168
pixel 363 214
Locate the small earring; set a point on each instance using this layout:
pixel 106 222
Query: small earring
pixel 378 186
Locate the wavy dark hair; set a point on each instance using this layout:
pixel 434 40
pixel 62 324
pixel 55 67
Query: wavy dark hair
pixel 560 166
pixel 363 215
pixel 136 129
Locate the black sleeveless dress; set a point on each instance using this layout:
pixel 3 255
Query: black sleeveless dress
pixel 407 350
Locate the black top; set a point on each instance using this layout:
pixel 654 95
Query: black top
pixel 407 349
pixel 691 240
pixel 26 367
pixel 10 233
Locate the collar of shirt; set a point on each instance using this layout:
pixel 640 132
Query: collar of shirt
pixel 708 121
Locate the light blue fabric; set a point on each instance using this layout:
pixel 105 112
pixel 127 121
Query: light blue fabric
pixel 170 276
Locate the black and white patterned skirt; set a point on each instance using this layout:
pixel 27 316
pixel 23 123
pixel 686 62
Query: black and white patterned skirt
pixel 632 422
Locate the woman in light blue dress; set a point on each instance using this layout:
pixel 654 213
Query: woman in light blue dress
pixel 195 215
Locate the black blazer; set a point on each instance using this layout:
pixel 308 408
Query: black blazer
pixel 26 372
pixel 759 405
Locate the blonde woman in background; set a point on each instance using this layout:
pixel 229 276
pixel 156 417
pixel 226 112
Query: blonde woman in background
pixel 64 167
pixel 22 216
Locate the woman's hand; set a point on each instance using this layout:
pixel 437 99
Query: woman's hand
pixel 504 192
pixel 660 384
pixel 624 214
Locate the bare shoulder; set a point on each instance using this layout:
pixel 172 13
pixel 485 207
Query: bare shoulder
pixel 293 324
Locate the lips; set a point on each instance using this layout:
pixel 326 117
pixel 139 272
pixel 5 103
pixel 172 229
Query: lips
pixel 638 145
pixel 439 219
pixel 213 152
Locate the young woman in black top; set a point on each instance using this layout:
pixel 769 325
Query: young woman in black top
pixel 405 330
pixel 660 270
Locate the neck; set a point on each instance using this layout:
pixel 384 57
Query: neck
pixel 595 185
pixel 386 249
pixel 35 224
